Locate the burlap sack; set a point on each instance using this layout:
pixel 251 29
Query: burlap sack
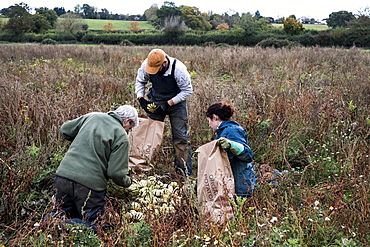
pixel 145 141
pixel 215 186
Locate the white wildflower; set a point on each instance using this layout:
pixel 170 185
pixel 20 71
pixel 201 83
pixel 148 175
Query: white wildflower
pixel 274 219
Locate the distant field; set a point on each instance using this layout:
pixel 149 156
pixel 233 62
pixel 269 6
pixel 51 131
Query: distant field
pixel 309 26
pixel 3 19
pixel 96 24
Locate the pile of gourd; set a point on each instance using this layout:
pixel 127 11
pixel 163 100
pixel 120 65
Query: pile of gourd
pixel 152 195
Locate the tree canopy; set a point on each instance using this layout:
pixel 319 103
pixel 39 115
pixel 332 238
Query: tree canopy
pixel 168 9
pixel 250 24
pixel 20 20
pixel 292 26
pixel 195 19
pixel 339 19
pixel 49 14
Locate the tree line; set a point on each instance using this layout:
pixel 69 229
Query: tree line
pixel 174 21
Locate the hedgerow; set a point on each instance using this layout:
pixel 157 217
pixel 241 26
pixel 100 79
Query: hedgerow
pixel 327 38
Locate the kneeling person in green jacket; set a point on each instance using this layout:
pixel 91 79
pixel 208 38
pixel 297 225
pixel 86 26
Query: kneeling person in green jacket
pixel 99 151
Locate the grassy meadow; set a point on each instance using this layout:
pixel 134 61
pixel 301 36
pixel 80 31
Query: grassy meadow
pixel 96 24
pixel 306 112
pixel 307 26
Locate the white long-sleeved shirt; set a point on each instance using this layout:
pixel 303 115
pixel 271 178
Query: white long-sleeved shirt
pixel 181 75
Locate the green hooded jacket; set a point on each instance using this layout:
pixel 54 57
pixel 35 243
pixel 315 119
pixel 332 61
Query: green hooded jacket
pixel 99 151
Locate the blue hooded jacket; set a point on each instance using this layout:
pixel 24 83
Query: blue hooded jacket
pixel 241 164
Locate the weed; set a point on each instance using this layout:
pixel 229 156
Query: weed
pixel 305 111
pixel 141 234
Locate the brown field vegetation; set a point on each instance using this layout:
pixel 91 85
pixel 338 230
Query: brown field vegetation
pixel 306 111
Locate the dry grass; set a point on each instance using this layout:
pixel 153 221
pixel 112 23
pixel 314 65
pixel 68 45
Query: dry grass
pixel 305 110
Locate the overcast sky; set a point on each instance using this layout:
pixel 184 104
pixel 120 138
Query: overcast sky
pixel 317 9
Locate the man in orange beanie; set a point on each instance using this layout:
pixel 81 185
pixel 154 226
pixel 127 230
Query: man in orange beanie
pixel 171 86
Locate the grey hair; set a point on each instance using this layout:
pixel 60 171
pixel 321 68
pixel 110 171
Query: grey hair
pixel 128 112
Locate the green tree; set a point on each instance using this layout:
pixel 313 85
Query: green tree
pixel 71 23
pixel 88 12
pixel 41 24
pixel 167 10
pixel 195 19
pixel 20 20
pixel 151 13
pixel 215 20
pixel 231 19
pixel 49 14
pixel 103 14
pixel 360 25
pixel 60 11
pixel 339 19
pixel 248 24
pixel 174 27
pixel 5 11
pixel 292 26
pixel 77 10
pixel 258 14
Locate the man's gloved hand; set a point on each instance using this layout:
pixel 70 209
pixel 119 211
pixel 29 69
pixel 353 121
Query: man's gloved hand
pixel 144 104
pixel 235 147
pixel 161 109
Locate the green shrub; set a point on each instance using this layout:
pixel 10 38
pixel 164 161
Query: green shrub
pixel 60 37
pixel 306 39
pixel 80 235
pixel 212 44
pixel 324 39
pixel 49 42
pixel 141 234
pixel 126 42
pixel 277 43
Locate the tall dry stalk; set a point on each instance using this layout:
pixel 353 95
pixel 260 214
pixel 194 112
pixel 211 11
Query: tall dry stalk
pixel 305 110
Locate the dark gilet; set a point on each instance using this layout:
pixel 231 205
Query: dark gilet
pixel 163 87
